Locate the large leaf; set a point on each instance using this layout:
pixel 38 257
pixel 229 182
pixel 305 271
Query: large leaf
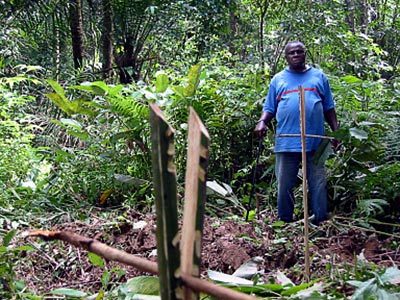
pixel 323 152
pixel 69 107
pixel 391 275
pixel 68 292
pixel 98 88
pixel 136 182
pixel 146 285
pixel 194 77
pixel 162 82
pixel 57 88
pixel 61 103
pixel 351 79
pixel 364 289
pixel 358 133
pixel 226 278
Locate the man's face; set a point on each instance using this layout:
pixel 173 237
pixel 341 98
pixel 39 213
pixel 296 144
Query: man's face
pixel 296 56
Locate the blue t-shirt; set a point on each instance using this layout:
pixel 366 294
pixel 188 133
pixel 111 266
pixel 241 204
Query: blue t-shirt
pixel 283 101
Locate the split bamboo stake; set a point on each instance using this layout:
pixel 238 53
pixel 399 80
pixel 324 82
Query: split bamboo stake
pixel 304 169
pixel 195 196
pixel 164 181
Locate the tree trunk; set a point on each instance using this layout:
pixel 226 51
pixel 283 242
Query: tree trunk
pixel 107 39
pixel 350 19
pixel 75 13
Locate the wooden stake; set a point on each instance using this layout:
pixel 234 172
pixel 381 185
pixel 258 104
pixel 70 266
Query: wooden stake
pixel 195 194
pixel 164 180
pixel 304 168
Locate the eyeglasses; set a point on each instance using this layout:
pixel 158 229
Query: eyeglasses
pixel 293 52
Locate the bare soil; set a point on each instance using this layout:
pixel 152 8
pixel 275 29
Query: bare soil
pixel 226 245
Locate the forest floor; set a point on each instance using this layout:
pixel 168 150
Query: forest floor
pixel 335 245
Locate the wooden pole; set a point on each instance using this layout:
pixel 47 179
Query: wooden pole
pixel 195 194
pixel 304 169
pixel 164 180
pixel 317 136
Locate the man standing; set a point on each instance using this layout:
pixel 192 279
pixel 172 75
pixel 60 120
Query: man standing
pixel 282 102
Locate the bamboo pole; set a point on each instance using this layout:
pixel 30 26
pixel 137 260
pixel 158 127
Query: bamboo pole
pixel 304 169
pixel 195 193
pixel 317 136
pixel 164 180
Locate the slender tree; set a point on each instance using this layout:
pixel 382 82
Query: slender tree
pixel 107 38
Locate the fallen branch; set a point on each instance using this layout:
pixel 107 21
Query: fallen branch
pixel 98 248
pixel 142 264
pixel 396 236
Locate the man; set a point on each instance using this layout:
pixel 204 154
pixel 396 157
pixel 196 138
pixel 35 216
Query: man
pixel 282 102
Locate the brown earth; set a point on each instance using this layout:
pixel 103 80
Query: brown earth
pixel 226 245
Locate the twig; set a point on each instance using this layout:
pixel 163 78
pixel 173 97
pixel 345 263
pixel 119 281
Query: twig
pixel 369 221
pixel 48 258
pixel 371 230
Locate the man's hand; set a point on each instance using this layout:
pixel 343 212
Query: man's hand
pixel 261 124
pixel 261 129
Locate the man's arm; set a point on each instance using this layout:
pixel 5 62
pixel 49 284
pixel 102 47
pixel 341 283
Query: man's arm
pixel 331 119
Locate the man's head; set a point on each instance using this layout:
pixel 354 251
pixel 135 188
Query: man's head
pixel 295 54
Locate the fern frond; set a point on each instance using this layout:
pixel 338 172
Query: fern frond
pixel 371 207
pixel 392 141
pixel 129 106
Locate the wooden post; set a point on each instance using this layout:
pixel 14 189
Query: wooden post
pixel 195 194
pixel 304 169
pixel 164 180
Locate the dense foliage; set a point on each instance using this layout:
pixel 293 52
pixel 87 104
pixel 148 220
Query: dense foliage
pixel 76 78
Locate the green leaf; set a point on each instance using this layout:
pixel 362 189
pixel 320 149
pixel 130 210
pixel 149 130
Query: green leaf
pixel 84 136
pixel 61 102
pixel 252 215
pixel 57 88
pixel 137 182
pixel 96 260
pixel 323 151
pixel 24 248
pixel 391 275
pixel 105 278
pixel 146 285
pixel 115 90
pixel 351 79
pixel 179 90
pixel 8 237
pixel 72 123
pixel 98 88
pixel 296 289
pixel 364 289
pixel 358 133
pixel 194 78
pixel 162 82
pixel 68 292
pixel 81 106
